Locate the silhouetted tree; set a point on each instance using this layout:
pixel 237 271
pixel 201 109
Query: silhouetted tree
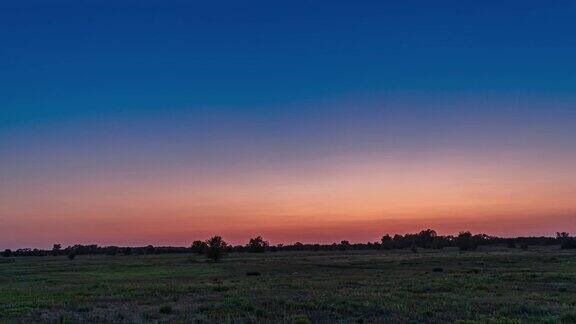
pixel 425 238
pixel 480 239
pixel 464 241
pixel 298 246
pixel 386 242
pixel 56 249
pixel 216 248
pixel 257 245
pixel 398 241
pixel 566 242
pixel 344 245
pixel 198 247
pixel 7 253
pixel 71 255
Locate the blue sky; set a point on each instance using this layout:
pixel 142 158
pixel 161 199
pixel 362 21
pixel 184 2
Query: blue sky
pixel 62 58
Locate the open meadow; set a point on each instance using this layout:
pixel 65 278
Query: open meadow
pixel 494 284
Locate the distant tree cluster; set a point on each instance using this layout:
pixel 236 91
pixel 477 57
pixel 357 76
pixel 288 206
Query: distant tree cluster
pixel 93 249
pixel 566 242
pixel 257 245
pixel 215 247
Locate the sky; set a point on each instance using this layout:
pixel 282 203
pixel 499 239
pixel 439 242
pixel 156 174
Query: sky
pixel 163 122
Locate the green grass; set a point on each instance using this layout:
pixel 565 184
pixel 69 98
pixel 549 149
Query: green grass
pixel 492 286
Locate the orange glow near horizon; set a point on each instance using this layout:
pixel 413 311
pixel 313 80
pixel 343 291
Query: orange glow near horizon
pixel 323 201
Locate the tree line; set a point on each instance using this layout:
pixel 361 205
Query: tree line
pixel 215 247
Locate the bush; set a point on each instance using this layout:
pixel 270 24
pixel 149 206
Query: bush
pixel 71 255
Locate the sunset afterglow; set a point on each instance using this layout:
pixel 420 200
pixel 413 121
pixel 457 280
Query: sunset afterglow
pixel 259 122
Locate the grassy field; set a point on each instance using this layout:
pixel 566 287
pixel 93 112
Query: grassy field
pixel 497 285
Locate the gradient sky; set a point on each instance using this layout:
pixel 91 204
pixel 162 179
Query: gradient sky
pixel 161 122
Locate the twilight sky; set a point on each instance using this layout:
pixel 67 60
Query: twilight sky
pixel 150 122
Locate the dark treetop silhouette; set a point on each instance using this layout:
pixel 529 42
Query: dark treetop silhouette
pixel 215 247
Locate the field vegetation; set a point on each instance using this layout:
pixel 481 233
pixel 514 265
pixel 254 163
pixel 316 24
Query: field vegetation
pixel 491 284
